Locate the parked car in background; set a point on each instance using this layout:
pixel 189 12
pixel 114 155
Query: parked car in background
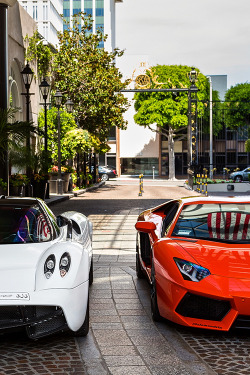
pixel 105 173
pixel 46 268
pixel 241 175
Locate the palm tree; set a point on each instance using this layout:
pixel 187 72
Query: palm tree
pixel 12 136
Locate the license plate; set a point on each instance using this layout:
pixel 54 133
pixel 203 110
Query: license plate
pixel 22 296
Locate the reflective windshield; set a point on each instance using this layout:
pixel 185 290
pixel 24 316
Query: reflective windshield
pixel 222 221
pixel 23 225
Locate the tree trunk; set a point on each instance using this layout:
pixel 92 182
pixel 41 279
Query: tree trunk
pixel 171 154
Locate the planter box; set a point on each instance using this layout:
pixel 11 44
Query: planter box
pixel 53 183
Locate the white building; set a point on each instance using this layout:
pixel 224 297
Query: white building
pixel 46 13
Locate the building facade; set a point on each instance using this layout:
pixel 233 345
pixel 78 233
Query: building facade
pixel 47 15
pixel 102 13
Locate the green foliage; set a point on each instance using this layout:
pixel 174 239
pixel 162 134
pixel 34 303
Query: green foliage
pixel 88 76
pixel 3 184
pixel 18 179
pixel 167 108
pixel 247 145
pixel 77 141
pixel 67 123
pixel 237 108
pixel 13 133
pixel 40 53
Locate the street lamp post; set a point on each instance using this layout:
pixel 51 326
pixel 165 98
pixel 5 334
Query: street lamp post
pixel 69 106
pixel 45 90
pixel 27 75
pixel 58 100
pixel 192 127
pixel 210 127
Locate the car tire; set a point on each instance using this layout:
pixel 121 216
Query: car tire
pixel 238 178
pixel 155 314
pixel 139 272
pixel 91 273
pixel 84 329
pixel 105 177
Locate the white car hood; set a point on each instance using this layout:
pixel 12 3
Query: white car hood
pixel 18 265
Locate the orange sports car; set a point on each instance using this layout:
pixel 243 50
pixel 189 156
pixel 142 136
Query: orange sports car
pixel 195 252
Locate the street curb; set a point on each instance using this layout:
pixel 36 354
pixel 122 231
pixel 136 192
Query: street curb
pixel 61 198
pixel 94 187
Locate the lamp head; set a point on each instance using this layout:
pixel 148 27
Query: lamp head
pixel 27 75
pixel 58 98
pixel 44 89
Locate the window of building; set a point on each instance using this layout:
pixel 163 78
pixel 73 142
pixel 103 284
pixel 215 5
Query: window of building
pixel 88 4
pixel 45 31
pixel 45 11
pixel 88 11
pixel 66 13
pixel 112 134
pixel 35 11
pixel 76 11
pixel 99 12
pixel 136 166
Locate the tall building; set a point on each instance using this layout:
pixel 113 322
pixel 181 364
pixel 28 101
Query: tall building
pixel 47 14
pixel 102 13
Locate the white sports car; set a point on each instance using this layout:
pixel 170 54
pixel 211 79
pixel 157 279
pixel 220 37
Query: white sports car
pixel 46 267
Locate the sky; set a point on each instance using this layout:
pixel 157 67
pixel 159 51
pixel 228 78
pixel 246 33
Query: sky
pixel 212 35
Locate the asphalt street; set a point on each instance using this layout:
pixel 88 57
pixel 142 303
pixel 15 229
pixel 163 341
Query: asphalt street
pixel 123 340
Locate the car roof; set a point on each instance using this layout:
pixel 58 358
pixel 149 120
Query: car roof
pixel 17 201
pixel 202 200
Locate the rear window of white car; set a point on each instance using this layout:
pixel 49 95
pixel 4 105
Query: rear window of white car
pixel 24 225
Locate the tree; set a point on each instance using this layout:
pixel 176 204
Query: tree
pixel 12 133
pixel 237 109
pixel 88 76
pixel 168 110
pixel 40 54
pixel 67 123
pixel 237 106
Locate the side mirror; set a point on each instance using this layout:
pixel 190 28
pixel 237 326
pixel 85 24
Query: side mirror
pixel 147 227
pixel 62 221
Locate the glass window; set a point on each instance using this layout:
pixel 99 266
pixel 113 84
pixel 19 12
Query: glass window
pixel 88 4
pixel 99 4
pixel 35 12
pixel 136 166
pixel 20 224
pixel 76 11
pixel 99 12
pixel 45 12
pixel 88 11
pixel 66 13
pixel 223 221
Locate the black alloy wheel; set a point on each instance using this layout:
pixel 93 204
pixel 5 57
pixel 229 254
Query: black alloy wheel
pixel 153 294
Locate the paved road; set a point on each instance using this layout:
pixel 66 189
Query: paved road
pixel 123 340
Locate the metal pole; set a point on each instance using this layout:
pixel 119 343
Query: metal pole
pixel 211 128
pixel 4 169
pixel 4 57
pixel 46 129
pixel 59 181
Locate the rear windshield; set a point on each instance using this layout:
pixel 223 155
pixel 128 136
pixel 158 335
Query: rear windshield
pixel 223 222
pixel 23 225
